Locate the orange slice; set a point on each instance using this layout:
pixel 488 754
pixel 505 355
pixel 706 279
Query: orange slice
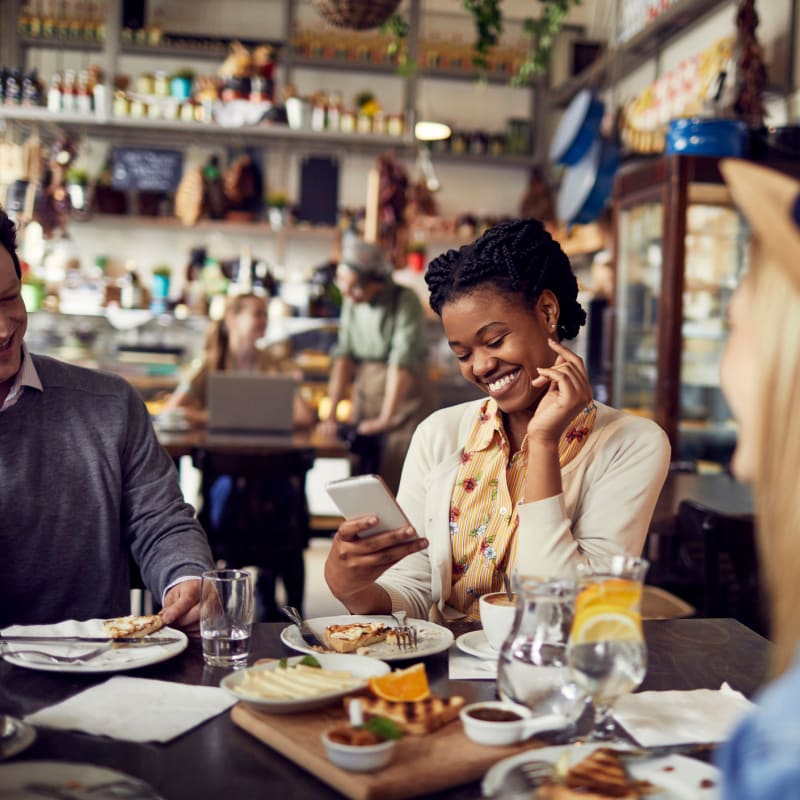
pixel 617 592
pixel 402 685
pixel 606 624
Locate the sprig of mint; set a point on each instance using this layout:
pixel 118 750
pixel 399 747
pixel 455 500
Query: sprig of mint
pixel 383 728
pixel 310 661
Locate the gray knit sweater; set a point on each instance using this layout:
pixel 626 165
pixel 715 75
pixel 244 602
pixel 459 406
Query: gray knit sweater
pixel 83 483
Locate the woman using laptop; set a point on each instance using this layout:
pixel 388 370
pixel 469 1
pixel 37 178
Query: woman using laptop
pixel 231 346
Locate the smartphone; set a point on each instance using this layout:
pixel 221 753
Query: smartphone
pixel 367 494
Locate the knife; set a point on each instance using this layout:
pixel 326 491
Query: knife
pixel 309 637
pixel 134 640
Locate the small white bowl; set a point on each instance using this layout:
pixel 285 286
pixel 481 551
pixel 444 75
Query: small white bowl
pixel 356 758
pixel 505 732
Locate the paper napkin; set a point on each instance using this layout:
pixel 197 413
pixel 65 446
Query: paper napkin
pixel 465 668
pixel 136 709
pixel 697 716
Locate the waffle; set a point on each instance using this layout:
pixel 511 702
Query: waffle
pixel 418 717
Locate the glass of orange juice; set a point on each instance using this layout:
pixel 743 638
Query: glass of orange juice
pixel 606 651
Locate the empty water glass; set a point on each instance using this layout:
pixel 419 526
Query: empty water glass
pixel 226 617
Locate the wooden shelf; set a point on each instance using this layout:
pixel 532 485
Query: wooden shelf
pixel 257 227
pixel 621 60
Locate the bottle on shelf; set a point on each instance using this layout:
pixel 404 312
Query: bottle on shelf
pixel 69 92
pixel 54 93
pixel 131 288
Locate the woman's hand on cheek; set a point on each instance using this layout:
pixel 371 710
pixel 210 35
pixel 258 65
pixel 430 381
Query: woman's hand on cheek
pixel 567 391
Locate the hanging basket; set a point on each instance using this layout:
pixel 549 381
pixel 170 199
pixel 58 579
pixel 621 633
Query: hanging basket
pixel 358 15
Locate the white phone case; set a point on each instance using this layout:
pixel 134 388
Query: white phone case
pixel 367 494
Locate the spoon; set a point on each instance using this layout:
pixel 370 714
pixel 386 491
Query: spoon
pixel 507 584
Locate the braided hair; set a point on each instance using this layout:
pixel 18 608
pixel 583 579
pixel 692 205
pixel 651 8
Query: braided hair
pixel 518 257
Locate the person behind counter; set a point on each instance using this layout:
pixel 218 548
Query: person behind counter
pixel 231 346
pixel 85 487
pixel 381 351
pixel 760 377
pixel 535 477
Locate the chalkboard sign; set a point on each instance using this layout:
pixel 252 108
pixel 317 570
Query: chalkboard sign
pixel 146 169
pixel 319 190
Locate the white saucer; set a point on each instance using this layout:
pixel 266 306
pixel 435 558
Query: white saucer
pixel 474 643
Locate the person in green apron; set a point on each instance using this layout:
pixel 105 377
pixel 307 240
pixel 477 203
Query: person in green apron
pixel 380 356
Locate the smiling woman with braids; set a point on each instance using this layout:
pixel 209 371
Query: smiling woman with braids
pixel 534 478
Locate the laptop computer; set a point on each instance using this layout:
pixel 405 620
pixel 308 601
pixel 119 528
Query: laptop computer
pixel 250 403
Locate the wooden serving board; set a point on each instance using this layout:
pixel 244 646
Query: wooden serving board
pixel 421 764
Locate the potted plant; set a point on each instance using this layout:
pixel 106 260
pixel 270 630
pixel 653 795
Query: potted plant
pixel 277 204
pixel 180 83
pixel 77 181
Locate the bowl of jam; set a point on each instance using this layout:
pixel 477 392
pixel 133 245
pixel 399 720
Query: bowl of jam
pixel 500 722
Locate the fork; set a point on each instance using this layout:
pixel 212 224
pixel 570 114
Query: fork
pixel 58 659
pixel 406 635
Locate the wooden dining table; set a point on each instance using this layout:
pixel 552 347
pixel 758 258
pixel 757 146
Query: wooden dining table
pixel 218 759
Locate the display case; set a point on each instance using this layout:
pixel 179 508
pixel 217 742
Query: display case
pixel 681 248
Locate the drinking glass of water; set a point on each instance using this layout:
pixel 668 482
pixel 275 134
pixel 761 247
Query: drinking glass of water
pixel 226 617
pixel 606 652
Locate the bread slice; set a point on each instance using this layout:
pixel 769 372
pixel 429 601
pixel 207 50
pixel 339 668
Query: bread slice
pixel 603 773
pixel 418 717
pixel 348 638
pixel 133 626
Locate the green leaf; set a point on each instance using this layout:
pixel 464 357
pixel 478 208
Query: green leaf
pixel 383 728
pixel 283 663
pixel 310 661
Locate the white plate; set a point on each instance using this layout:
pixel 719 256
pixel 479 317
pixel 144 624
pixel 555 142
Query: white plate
pixel 360 666
pixel 679 777
pixel 475 643
pixel 21 737
pixel 57 777
pixel 116 660
pixel 431 638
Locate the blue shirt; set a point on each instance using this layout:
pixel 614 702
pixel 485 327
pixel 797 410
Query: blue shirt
pixel 762 759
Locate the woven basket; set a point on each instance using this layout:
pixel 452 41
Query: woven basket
pixel 359 15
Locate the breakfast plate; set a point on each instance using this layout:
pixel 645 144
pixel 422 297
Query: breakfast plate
pixel 359 666
pixel 431 638
pixel 114 660
pixel 475 644
pixel 677 777
pixel 32 780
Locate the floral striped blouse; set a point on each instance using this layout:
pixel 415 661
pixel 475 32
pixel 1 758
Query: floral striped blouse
pixel 483 507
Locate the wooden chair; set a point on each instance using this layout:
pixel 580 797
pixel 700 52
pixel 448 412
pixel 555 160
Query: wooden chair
pixel 725 547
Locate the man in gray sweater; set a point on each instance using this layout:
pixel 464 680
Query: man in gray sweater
pixel 84 484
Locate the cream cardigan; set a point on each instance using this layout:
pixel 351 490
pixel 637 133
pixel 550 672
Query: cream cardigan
pixel 610 490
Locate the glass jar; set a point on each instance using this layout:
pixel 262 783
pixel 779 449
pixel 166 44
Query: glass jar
pixel 533 668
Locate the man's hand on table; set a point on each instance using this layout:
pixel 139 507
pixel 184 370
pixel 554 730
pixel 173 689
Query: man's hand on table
pixel 182 607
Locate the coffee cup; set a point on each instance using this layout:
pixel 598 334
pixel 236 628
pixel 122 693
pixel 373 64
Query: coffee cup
pixel 497 617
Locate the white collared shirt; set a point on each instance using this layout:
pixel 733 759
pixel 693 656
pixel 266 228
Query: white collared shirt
pixel 27 376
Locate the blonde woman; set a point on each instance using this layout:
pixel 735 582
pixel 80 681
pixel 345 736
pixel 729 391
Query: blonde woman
pixel 231 346
pixel 760 375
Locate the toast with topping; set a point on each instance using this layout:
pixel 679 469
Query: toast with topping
pixel 133 626
pixel 348 638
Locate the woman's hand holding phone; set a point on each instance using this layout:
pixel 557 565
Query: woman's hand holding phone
pixel 354 563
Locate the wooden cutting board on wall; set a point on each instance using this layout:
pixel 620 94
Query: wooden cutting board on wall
pixel 421 764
